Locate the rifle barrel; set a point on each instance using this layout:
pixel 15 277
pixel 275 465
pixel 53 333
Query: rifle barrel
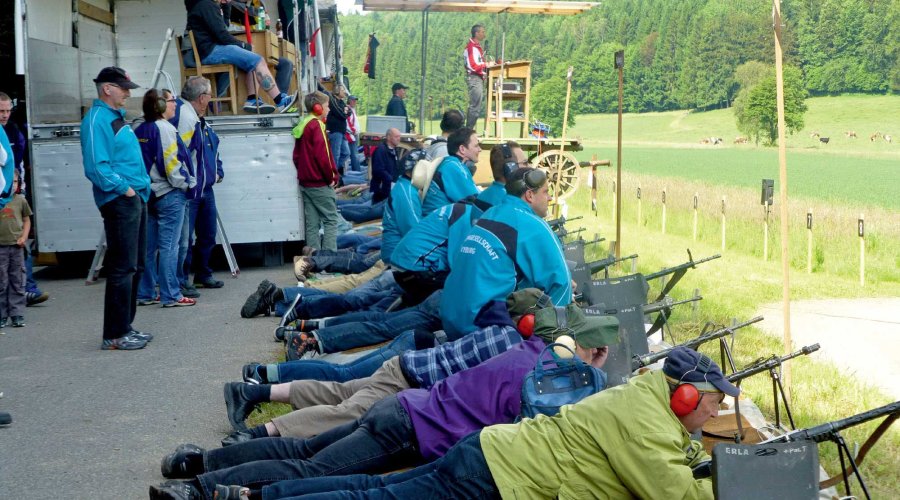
pixel 599 265
pixel 686 265
pixel 824 432
pixel 649 359
pixel 659 306
pixel 770 363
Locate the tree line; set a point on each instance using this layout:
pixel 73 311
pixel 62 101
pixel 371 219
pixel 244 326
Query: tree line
pixel 681 54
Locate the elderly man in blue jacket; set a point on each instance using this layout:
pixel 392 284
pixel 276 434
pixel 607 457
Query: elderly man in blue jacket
pixel 510 248
pixel 114 165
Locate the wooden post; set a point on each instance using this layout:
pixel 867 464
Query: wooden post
pixel 809 241
pixel 766 235
pixel 782 169
pixel 664 211
pixel 639 206
pixel 594 184
pixel 613 201
pixel 620 66
pixel 696 200
pixel 861 230
pixel 723 223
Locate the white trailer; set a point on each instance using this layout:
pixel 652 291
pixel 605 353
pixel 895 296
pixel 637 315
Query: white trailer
pixel 63 44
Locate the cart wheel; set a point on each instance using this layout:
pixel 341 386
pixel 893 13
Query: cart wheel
pixel 562 172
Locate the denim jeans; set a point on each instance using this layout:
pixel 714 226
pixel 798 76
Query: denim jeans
pixel 362 212
pixel 380 326
pixel 31 285
pixel 355 178
pixel 202 223
pixel 339 149
pixel 284 71
pixel 125 223
pixel 461 473
pixel 233 54
pixel 164 228
pixel 343 261
pixel 365 366
pixel 380 441
pixel 359 242
pixel 324 305
pixel 353 146
pixel 364 197
pixel 184 244
pixel 281 307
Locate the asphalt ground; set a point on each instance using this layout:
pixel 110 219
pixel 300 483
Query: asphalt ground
pixel 92 424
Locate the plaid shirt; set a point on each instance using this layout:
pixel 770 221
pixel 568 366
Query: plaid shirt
pixel 428 366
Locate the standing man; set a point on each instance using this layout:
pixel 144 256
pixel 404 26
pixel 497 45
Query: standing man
pixel 19 145
pixel 475 66
pixel 353 133
pixel 385 162
pixel 114 165
pixel 396 106
pixel 336 123
pixel 510 248
pixel 203 146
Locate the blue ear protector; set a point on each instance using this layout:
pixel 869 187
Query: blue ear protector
pixel 509 161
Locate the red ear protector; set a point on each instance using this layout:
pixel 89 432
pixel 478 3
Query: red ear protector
pixel 509 161
pixel 317 109
pixel 686 397
pixel 525 325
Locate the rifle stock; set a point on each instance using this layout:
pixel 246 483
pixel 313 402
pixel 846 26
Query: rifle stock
pixel 649 359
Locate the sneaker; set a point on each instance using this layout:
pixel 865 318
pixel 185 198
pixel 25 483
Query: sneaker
pixel 302 267
pixel 189 291
pixel 299 343
pixel 175 490
pixel 258 105
pixel 285 102
pixel 18 321
pixel 186 462
pixel 147 337
pixel 126 343
pixel 4 322
pixel 260 301
pixel 182 302
pixel 231 492
pixel 236 437
pixel 251 374
pixel 300 325
pixel 209 282
pixel 148 302
pixel 32 298
pixel 238 406
pixel 5 418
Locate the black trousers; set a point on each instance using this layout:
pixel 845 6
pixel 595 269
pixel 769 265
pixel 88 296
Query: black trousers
pixel 418 285
pixel 125 222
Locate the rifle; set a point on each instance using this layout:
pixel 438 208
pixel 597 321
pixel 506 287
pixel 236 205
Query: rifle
pixel 668 303
pixel 599 265
pixel 649 359
pixel 562 232
pixel 760 366
pixel 678 271
pixel 555 223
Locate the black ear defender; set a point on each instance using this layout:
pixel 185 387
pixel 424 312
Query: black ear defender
pixel 161 105
pixel 509 161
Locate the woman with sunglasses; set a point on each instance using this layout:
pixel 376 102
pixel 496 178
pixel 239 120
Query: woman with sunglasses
pixel 171 177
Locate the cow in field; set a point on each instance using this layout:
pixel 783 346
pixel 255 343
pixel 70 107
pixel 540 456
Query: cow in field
pixel 850 134
pixel 874 136
pixel 740 140
pixel 824 140
pixel 887 138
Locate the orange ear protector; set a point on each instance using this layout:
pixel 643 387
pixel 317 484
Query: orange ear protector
pixel 525 325
pixel 317 109
pixel 686 397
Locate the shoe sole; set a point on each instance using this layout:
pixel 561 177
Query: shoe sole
pixel 119 348
pixel 148 303
pixel 39 300
pixel 263 110
pixel 179 304
pixel 229 404
pixel 200 285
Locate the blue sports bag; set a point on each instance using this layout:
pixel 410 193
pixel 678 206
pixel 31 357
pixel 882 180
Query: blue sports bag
pixel 547 388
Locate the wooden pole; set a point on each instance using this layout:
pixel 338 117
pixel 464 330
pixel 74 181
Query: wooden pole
pixel 696 202
pixel 723 223
pixel 614 201
pixel 862 249
pixel 766 235
pixel 557 168
pixel 594 184
pixel 782 169
pixel 620 66
pixel 639 206
pixel 809 241
pixel 664 211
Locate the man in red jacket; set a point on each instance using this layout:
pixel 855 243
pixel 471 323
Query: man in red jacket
pixel 475 73
pixel 316 173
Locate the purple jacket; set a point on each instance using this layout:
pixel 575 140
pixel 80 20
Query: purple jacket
pixel 487 394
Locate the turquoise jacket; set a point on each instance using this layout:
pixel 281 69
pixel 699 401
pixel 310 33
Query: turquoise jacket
pixel 432 243
pixel 402 212
pixel 494 195
pixel 508 249
pixel 624 442
pixel 452 182
pixel 111 155
pixel 8 167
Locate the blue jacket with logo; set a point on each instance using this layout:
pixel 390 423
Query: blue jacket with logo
pixel 494 195
pixel 111 155
pixel 402 212
pixel 509 248
pixel 452 182
pixel 431 244
pixel 166 157
pixel 203 144
pixel 7 166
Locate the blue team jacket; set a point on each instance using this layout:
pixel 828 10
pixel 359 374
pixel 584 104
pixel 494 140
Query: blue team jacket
pixel 111 155
pixel 402 212
pixel 452 182
pixel 431 244
pixel 6 171
pixel 508 249
pixel 494 195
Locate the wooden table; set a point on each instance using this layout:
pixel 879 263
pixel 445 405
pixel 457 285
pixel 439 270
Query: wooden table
pixel 270 47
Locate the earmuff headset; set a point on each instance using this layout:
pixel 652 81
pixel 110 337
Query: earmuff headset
pixel 509 161
pixel 317 109
pixel 686 397
pixel 161 105
pixel 525 325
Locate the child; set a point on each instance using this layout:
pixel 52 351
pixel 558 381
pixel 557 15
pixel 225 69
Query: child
pixel 316 173
pixel 15 224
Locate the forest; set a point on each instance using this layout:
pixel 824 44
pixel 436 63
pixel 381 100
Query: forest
pixel 679 54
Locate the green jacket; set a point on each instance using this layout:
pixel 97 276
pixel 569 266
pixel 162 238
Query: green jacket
pixel 624 442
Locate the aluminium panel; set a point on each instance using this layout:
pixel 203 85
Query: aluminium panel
pixel 50 21
pixel 96 50
pixel 52 82
pixel 140 31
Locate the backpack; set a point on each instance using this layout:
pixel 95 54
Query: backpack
pixel 545 389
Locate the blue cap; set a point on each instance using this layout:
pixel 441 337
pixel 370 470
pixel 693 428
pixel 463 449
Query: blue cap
pixel 685 365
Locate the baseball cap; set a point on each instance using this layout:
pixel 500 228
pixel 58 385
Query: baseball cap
pixel 412 158
pixel 588 331
pixel 685 365
pixel 353 98
pixel 397 86
pixel 116 75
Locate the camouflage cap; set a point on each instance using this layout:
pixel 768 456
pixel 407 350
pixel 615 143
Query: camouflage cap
pixel 588 331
